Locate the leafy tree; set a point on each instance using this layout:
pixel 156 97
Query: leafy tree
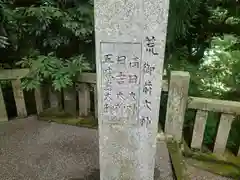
pixel 54 38
pixel 49 37
pixel 3 42
pixel 207 47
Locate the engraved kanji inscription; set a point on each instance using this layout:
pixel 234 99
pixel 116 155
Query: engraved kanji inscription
pixel 147 87
pixel 121 59
pixel 121 72
pixel 133 79
pixel 147 68
pixel 150 45
pixel 145 121
pixel 108 58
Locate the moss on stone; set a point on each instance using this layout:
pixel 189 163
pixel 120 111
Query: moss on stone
pixel 229 157
pixel 225 165
pixel 216 168
pixel 177 159
pixel 54 115
pixel 54 112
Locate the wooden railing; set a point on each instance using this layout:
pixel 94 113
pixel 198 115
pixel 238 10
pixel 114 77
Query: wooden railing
pixel 178 103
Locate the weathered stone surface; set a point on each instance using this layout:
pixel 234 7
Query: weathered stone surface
pixel 3 112
pixel 223 132
pixel 70 101
pixel 199 127
pixel 130 46
pixel 177 102
pixel 39 99
pixel 215 105
pixel 176 158
pixel 95 101
pixel 91 79
pixel 19 98
pixel 83 99
pixel 54 98
pixel 87 78
pixel 12 74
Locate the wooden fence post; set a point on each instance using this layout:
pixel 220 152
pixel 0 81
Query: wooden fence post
pixel 3 112
pixel 177 101
pixel 70 101
pixel 19 98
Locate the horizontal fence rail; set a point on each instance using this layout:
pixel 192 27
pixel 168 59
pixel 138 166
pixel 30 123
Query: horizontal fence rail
pixel 214 105
pixel 12 74
pixel 178 103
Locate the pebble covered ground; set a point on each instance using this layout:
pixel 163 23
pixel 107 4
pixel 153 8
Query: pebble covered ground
pixel 35 150
pixel 198 174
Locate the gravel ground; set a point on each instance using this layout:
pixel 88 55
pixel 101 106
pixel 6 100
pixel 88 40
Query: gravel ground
pixel 197 174
pixel 34 150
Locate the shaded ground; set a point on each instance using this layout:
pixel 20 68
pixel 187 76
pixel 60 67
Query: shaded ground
pixel 198 174
pixel 34 150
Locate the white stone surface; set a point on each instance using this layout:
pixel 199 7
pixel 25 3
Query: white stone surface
pixel 130 45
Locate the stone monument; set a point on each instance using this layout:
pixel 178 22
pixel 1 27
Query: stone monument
pixel 130 46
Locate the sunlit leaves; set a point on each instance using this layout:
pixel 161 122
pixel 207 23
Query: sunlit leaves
pixel 60 71
pixel 47 38
pixel 220 64
pixel 51 23
pixel 218 71
pixel 3 42
pixel 218 15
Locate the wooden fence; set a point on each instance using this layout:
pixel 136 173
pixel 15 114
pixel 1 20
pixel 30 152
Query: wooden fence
pixel 178 103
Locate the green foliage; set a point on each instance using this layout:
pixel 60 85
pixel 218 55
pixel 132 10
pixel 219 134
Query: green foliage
pixel 211 128
pixel 180 18
pixel 47 37
pixel 233 140
pixel 217 76
pixel 61 72
pixel 3 42
pixel 52 38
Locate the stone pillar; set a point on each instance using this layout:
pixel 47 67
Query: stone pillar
pixel 3 111
pixel 39 100
pixel 130 46
pixel 55 98
pixel 70 102
pixel 177 103
pixel 84 99
pixel 19 98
